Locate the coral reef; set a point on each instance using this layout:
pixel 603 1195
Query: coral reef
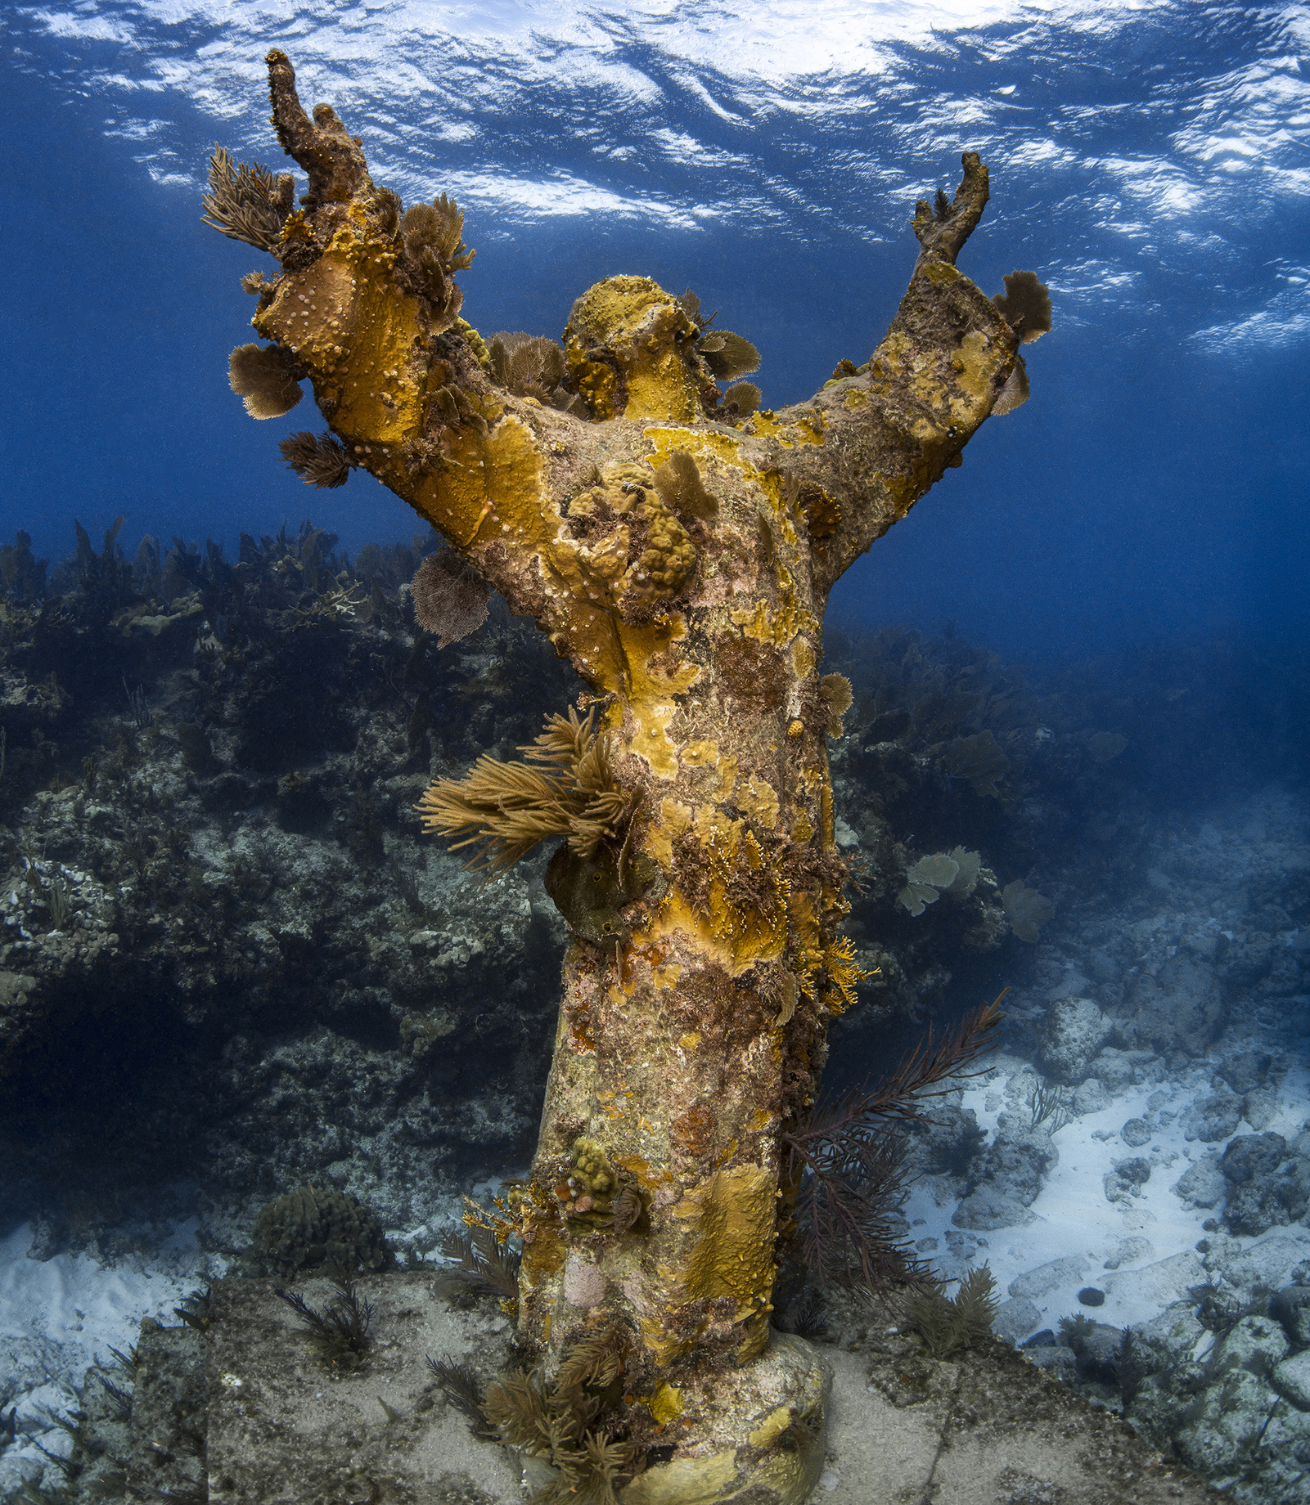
pixel 308 1228
pixel 697 1004
pixel 219 778
pixel 220 922
pixel 164 999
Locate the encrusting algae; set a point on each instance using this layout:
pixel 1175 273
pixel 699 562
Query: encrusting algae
pixel 677 545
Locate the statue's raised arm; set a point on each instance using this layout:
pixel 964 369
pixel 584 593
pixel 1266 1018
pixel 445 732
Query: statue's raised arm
pixel 949 361
pixel 678 545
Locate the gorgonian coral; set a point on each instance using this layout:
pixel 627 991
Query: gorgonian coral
pixel 529 365
pixel 321 462
pixel 266 377
pixel 247 203
pixel 681 489
pixel 450 597
pixel 433 236
pixel 507 808
pixel 1025 305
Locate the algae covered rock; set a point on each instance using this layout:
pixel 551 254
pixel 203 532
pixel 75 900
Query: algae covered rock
pixel 1203 1184
pixel 1009 1180
pixel 1291 1379
pixel 1074 1032
pixel 1179 1007
pixel 1256 1344
pixel 1211 1119
pixel 311 1227
pixel 1267 1185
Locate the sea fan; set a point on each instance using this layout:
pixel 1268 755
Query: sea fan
pixel 450 597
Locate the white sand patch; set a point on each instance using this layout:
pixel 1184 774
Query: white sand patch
pixel 1150 1238
pixel 61 1316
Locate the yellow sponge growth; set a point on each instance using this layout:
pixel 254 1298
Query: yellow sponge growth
pixel 635 551
pixel 629 350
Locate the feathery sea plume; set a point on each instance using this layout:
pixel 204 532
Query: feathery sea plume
pixel 571 1422
pixel 479 1258
pixel 321 462
pixel 507 808
pixel 741 400
pixel 247 203
pixel 528 365
pixel 338 1335
pixel 837 696
pixel 433 235
pixel 948 1324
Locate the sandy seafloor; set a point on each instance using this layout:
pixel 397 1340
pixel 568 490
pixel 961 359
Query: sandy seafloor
pixel 60 1316
pixel 1127 1250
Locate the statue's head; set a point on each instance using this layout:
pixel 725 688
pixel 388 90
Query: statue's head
pixel 631 352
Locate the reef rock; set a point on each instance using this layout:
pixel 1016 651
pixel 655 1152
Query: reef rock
pixel 1073 1034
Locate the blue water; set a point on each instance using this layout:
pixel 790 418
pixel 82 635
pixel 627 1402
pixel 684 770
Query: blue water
pixel 1122 560
pixel 1152 163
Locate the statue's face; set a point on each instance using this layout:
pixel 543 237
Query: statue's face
pixel 629 347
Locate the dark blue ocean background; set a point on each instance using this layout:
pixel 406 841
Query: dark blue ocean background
pixel 1151 163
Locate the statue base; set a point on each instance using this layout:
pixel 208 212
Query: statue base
pixel 761 1432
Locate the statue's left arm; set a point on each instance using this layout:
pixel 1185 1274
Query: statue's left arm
pixel 888 432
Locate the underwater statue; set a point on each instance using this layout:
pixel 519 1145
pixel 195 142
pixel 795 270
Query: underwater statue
pixel 678 546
